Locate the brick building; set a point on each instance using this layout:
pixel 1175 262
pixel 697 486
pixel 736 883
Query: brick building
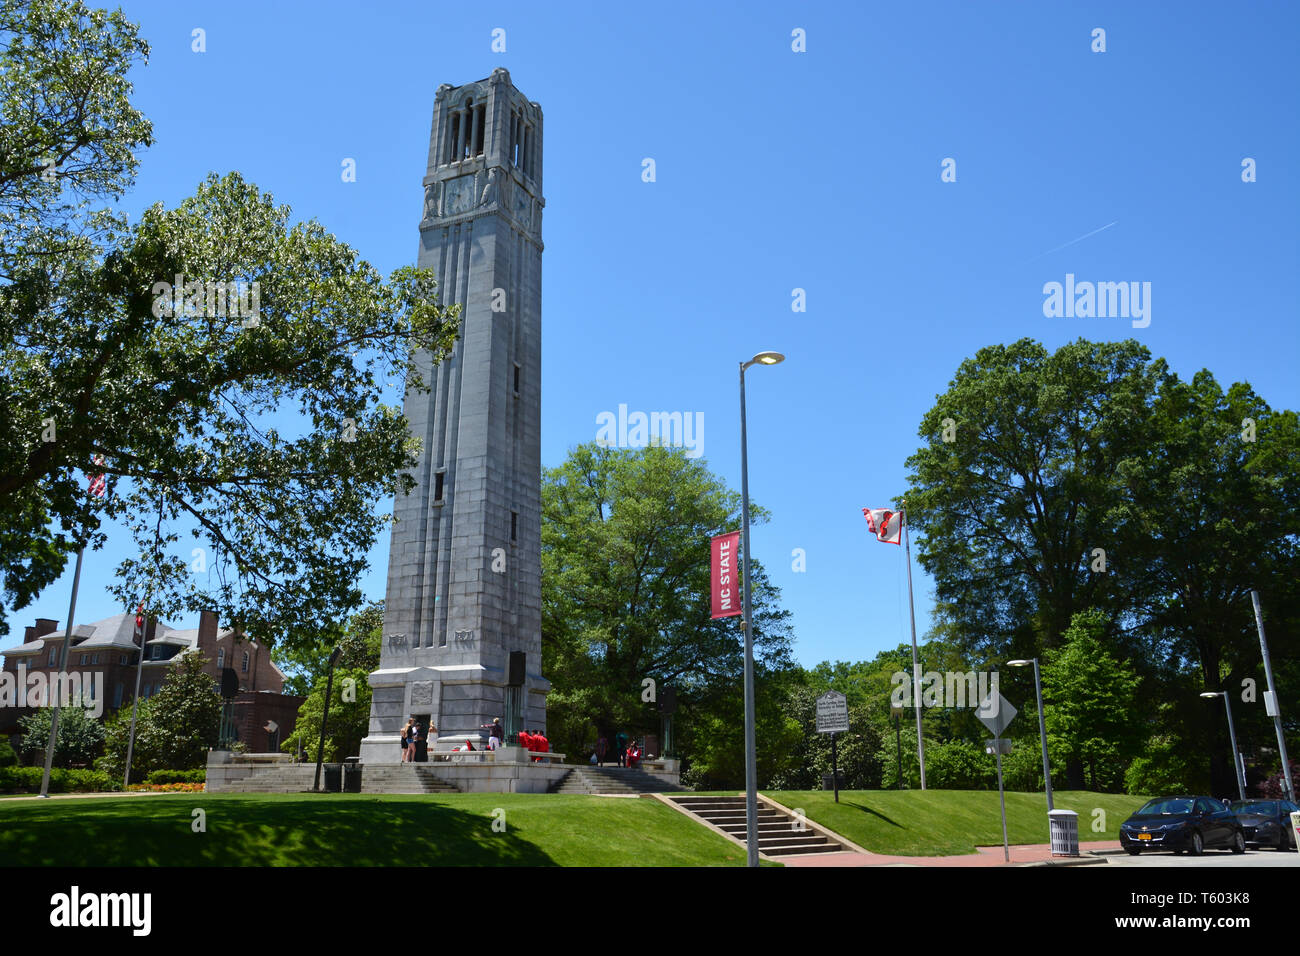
pixel 109 650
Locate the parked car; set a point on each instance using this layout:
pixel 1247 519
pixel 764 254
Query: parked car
pixel 1267 822
pixel 1183 823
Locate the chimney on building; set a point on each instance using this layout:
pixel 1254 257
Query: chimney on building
pixel 207 643
pixel 29 635
pixel 45 625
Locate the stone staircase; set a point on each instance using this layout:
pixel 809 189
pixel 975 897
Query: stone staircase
pixel 777 833
pixel 611 780
pixel 280 778
pixel 403 778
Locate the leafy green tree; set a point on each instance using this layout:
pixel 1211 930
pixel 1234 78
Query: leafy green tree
pixel 175 727
pixel 1009 511
pixel 80 738
pixel 857 751
pixel 349 718
pixel 242 409
pixel 68 138
pixel 625 597
pixel 307 664
pixel 1090 701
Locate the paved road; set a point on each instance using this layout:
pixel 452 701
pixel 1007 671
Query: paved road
pixel 1211 859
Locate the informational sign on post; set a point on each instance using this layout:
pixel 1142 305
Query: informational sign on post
pixel 833 718
pixel 832 713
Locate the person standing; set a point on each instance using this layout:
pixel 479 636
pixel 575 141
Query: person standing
pixel 406 740
pixel 421 743
pixel 602 748
pixel 620 748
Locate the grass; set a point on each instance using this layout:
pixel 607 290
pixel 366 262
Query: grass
pixel 356 830
pixel 950 822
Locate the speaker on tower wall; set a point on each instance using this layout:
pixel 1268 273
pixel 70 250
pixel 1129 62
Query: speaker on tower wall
pixel 518 660
pixel 668 701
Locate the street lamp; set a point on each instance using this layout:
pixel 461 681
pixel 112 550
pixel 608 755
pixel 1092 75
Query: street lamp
pixel 1042 725
pixel 1238 767
pixel 329 691
pixel 751 767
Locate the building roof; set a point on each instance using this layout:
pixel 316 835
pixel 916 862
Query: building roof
pixel 116 632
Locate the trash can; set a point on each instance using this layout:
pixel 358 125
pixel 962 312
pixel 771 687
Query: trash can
pixel 1064 828
pixel 829 781
pixel 1295 828
pixel 333 778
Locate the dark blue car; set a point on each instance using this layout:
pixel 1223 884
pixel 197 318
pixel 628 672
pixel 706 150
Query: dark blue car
pixel 1267 822
pixel 1185 823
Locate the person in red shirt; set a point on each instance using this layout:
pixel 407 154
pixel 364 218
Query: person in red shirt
pixel 525 740
pixel 633 755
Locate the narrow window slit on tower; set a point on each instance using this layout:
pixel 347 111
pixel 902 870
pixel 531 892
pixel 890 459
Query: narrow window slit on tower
pixel 480 125
pixel 453 137
pixel 514 526
pixel 437 484
pixel 516 380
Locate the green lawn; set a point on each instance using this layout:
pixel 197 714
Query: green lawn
pixel 356 830
pixel 948 822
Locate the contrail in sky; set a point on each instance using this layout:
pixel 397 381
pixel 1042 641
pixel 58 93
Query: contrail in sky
pixel 1070 243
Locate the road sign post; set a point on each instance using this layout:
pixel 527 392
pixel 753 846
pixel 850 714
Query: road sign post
pixel 995 712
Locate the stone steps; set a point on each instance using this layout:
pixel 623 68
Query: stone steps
pixel 779 833
pixel 611 781
pixel 403 778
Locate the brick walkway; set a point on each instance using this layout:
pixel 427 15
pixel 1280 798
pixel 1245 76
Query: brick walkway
pixel 984 856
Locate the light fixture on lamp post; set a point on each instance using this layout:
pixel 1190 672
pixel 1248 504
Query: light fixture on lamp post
pixel 1238 767
pixel 751 766
pixel 1042 725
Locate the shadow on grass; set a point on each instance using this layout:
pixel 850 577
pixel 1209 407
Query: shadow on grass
pixel 285 831
pixel 875 813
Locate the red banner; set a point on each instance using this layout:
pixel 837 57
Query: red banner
pixel 724 564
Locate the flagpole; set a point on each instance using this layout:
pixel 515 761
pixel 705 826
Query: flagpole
pixel 916 666
pixel 59 682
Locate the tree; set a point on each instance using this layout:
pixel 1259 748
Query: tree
pixel 1089 703
pixel 349 718
pixel 625 593
pixel 1010 511
pixel 80 739
pixel 359 643
pixel 222 367
pixel 179 404
pixel 68 136
pixel 175 727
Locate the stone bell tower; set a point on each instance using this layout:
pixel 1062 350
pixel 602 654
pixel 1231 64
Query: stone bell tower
pixel 464 570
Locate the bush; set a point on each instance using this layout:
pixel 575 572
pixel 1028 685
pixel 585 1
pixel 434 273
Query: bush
pixel 28 780
pixel 8 758
pixel 177 776
pixel 81 737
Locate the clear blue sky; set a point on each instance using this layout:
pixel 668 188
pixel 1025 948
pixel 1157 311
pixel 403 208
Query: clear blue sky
pixel 779 170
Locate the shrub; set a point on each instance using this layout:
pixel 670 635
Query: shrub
pixel 8 758
pixel 177 776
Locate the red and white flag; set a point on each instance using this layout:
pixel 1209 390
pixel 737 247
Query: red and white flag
pixel 886 525
pixel 98 484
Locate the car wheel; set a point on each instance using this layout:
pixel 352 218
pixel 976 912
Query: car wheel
pixel 1238 843
pixel 1178 852
pixel 1134 851
pixel 1198 845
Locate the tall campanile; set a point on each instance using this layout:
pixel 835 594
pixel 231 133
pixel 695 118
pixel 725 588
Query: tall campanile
pixel 464 571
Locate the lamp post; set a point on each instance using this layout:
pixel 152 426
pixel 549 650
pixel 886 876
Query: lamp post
pixel 329 692
pixel 751 767
pixel 1042 725
pixel 1238 767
